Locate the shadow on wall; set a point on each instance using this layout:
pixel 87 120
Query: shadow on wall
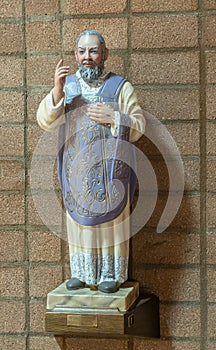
pixel 166 263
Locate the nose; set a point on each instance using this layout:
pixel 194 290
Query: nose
pixel 87 55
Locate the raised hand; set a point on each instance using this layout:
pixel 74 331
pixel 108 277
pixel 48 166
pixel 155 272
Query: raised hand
pixel 61 72
pixel 101 113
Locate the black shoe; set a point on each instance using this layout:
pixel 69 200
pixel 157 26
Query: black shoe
pixel 108 287
pixel 74 283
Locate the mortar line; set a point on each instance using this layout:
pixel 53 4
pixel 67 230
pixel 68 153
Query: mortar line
pixel 27 306
pixel 203 240
pixel 129 46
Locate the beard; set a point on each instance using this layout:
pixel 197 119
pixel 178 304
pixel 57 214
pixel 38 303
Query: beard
pixel 89 75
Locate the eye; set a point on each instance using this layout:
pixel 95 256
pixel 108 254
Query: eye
pixel 81 52
pixel 94 52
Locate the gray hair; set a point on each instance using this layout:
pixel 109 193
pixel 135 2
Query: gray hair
pixel 93 32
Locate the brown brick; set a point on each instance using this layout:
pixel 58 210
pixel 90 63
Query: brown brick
pixel 37 315
pixel 43 279
pixel 211 247
pixel 211 211
pixel 211 345
pixel 40 70
pixel 12 141
pixel 161 173
pixel 12 175
pixel 11 71
pixel 211 175
pixel 210 102
pixel 70 60
pixel 211 67
pixel 49 180
pixel 45 343
pixel 35 134
pixel 12 209
pixel 11 38
pixel 170 104
pixel 209 4
pixel 12 282
pixel 96 344
pixel 44 246
pixel 42 143
pixel 67 272
pixel 192 175
pixel 210 135
pixel 33 101
pixel 187 216
pixel 170 284
pixel 11 9
pixel 163 5
pixel 186 137
pixel 12 247
pixel 43 36
pixel 96 6
pixel 114 31
pixel 117 63
pixel 65 251
pixel 41 7
pixel 180 321
pixel 13 342
pixel 12 106
pixel 211 285
pixel 160 344
pixel 209 26
pixel 164 68
pixel 44 211
pixel 166 31
pixel 169 248
pixel 12 316
pixel 212 321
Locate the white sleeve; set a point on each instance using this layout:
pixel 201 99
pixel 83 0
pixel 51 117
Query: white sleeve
pixel 50 115
pixel 129 105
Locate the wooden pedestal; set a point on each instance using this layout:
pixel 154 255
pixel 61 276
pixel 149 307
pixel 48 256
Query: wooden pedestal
pixel 138 315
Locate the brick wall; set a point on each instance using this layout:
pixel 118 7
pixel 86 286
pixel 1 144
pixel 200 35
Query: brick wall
pixel 174 44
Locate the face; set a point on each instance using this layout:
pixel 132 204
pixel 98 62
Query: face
pixel 90 57
pixel 89 51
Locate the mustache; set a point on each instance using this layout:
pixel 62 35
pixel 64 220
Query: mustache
pixel 89 62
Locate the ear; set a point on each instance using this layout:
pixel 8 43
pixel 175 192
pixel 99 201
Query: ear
pixel 76 55
pixel 106 54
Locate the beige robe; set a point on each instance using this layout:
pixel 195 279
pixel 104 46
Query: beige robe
pixel 101 252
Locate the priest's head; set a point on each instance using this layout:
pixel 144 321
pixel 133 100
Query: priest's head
pixel 91 53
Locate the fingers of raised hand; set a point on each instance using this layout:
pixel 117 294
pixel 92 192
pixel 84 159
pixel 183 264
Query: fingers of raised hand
pixel 62 71
pixel 59 64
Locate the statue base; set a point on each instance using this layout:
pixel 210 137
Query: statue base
pixel 61 297
pixel 84 311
